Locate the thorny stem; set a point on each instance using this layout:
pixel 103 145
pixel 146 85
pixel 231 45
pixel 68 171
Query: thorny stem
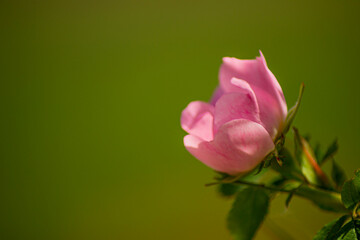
pixel 325 199
pixel 262 186
pixel 259 185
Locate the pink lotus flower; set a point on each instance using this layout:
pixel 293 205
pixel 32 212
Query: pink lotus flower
pixel 236 130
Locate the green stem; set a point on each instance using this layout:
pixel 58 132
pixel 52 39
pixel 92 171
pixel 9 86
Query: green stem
pixel 326 200
pixel 262 186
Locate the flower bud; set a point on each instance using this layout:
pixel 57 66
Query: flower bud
pixel 236 130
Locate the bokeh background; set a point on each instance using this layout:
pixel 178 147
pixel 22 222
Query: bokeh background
pixel 91 96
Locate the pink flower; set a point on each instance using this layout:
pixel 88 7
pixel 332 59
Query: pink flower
pixel 236 130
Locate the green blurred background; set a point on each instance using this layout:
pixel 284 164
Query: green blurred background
pixel 91 96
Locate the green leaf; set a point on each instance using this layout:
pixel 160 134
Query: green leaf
pixel 338 175
pixel 228 189
pixel 329 231
pixel 330 152
pixel 277 181
pixel 292 112
pixel 248 211
pixel 318 153
pixel 344 230
pixel 351 235
pixel 350 193
pixel 307 137
pixel 288 199
pixel 349 231
pixel 295 186
pixel 324 199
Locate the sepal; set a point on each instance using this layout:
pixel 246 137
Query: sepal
pixel 330 152
pixel 292 112
pixel 307 161
pixel 338 175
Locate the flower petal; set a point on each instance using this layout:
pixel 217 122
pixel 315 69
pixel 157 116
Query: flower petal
pixel 197 119
pixel 238 147
pixel 236 105
pixel 216 95
pixel 270 115
pixel 206 153
pixel 268 92
pixel 272 79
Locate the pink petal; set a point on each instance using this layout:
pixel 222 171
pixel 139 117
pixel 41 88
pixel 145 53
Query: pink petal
pixel 239 146
pixel 206 153
pixel 236 105
pixel 197 119
pixel 268 92
pixel 277 88
pixel 270 115
pixel 216 95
